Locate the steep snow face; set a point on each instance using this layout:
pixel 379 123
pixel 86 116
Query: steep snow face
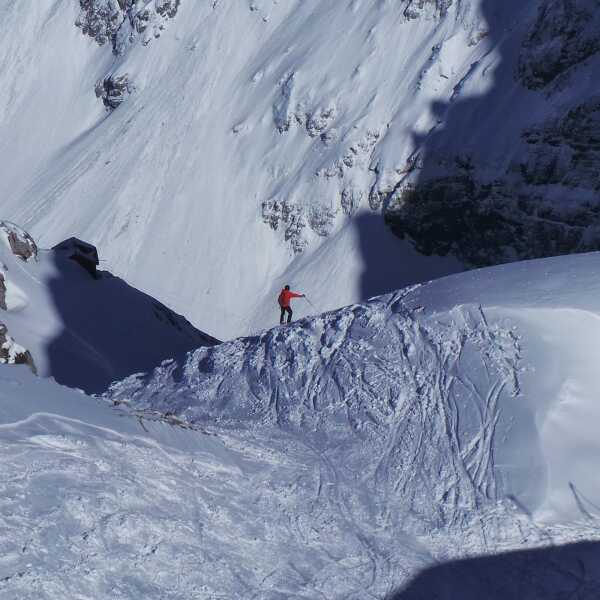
pixel 85 332
pixel 252 140
pixel 444 426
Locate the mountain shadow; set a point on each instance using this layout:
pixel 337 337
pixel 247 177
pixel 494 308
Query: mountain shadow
pixel 390 263
pixel 514 172
pixel 110 329
pixel 556 573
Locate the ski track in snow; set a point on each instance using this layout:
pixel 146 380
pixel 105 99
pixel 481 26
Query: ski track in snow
pixel 334 458
pixel 401 446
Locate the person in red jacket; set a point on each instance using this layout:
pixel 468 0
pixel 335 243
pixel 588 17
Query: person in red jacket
pixel 284 302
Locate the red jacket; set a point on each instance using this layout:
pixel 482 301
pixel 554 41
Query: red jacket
pixel 285 296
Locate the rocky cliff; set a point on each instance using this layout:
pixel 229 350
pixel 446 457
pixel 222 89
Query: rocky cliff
pixel 544 197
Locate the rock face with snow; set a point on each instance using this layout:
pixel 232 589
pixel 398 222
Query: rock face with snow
pixel 564 35
pixel 18 241
pixel 20 245
pixel 120 22
pixel 416 9
pixel 544 200
pixel 100 19
pixel 11 353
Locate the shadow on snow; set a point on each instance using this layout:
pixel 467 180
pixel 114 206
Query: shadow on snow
pixel 571 571
pixel 110 329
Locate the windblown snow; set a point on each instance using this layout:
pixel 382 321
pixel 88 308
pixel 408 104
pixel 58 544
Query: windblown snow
pixel 437 442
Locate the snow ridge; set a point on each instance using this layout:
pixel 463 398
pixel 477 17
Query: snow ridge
pixel 416 407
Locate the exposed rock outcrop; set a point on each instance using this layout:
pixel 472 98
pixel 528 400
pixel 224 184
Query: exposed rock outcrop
pixel 22 246
pixel 523 213
pixel 121 22
pixel 84 254
pixel 18 240
pixel 2 292
pixel 489 224
pixel 566 150
pixel 290 217
pixel 113 90
pixel 11 353
pixel 416 9
pixel 101 19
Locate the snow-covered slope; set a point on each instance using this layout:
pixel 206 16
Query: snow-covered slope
pixel 436 442
pixel 85 332
pixel 248 131
pixel 475 392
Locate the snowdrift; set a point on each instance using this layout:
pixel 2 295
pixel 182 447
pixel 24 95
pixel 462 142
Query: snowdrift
pixel 82 330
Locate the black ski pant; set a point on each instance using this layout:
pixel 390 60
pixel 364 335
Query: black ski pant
pixel 288 310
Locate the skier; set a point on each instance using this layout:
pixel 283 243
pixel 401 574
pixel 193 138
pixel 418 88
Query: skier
pixel 284 302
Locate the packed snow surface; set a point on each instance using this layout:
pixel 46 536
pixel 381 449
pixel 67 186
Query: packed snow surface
pixel 437 442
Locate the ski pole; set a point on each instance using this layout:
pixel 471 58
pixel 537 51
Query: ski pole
pixel 310 302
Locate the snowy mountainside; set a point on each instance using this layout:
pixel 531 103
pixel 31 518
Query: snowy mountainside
pixel 85 332
pixel 446 432
pixel 463 377
pixel 251 141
